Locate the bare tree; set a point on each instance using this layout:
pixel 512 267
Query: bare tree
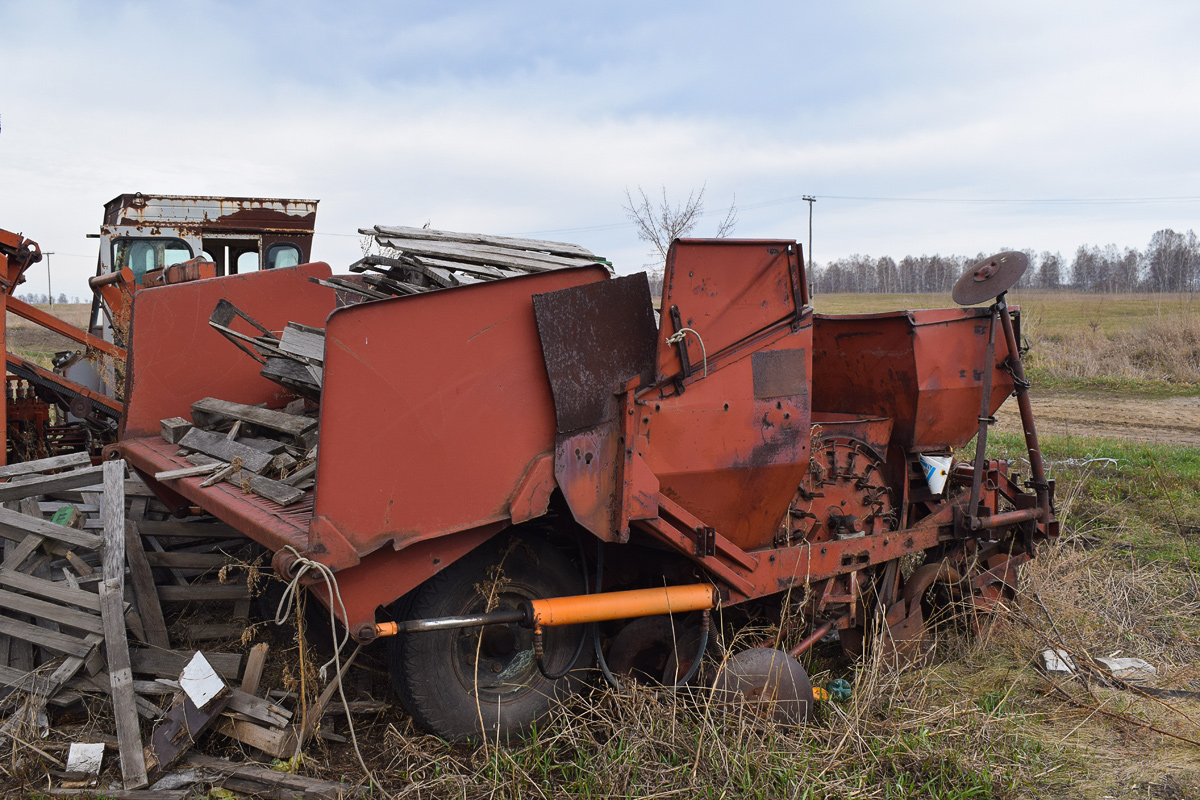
pixel 661 223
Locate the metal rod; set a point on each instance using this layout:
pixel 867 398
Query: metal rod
pixel 813 637
pixel 1007 518
pixel 503 616
pixel 1036 466
pixel 985 402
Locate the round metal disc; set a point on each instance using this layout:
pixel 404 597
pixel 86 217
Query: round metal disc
pixel 990 278
pixel 767 682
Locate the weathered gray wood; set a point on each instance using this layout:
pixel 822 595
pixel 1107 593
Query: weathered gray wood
pixel 15 554
pixel 112 513
pixel 187 472
pixel 179 729
pixel 307 471
pixel 277 491
pixel 272 741
pixel 121 794
pixel 216 445
pixel 17 526
pixel 203 593
pixel 255 661
pixel 272 446
pixel 293 375
pixel 71 617
pixel 267 778
pixel 169 663
pixel 129 736
pixel 174 529
pixel 34 634
pixel 45 484
pixel 51 590
pixel 258 708
pixel 216 630
pixel 45 465
pixel 303 343
pixel 174 428
pixel 526 260
pixel 291 424
pixel 481 271
pixel 25 681
pixel 144 590
pixel 509 242
pixel 182 560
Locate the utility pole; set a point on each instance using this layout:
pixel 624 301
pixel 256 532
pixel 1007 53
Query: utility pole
pixel 812 278
pixel 50 292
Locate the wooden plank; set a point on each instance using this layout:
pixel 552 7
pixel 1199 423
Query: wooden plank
pixel 510 242
pixel 216 630
pixel 25 681
pixel 526 260
pixel 290 424
pixel 16 526
pixel 272 446
pixel 217 446
pixel 48 639
pixel 45 465
pixel 64 615
pixel 203 593
pixel 188 472
pixel 51 590
pixel 172 529
pixel 121 794
pixel 255 661
pixel 112 612
pixel 144 590
pixel 87 476
pixel 169 663
pixel 181 560
pixel 277 491
pixel 179 730
pixel 173 429
pixel 258 708
pixel 272 741
pixel 295 785
pixel 16 554
pixel 302 343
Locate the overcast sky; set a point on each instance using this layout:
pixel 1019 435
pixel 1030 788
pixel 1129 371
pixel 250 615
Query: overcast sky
pixel 534 118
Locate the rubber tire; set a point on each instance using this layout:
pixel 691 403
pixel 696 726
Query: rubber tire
pixel 427 673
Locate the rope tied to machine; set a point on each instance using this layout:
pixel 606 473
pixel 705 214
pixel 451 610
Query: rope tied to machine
pixel 677 337
pixel 283 611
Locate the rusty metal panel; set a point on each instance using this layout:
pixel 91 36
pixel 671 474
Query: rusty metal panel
pixel 725 290
pixel 211 213
pixel 434 406
pixel 176 357
pixel 924 369
pixel 595 337
pixel 780 373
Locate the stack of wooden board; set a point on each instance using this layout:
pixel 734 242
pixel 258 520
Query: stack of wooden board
pixel 414 260
pixel 270 453
pixel 84 581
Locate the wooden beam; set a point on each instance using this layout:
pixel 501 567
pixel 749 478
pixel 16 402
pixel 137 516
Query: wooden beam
pixel 144 590
pixel 17 526
pixel 116 644
pixel 291 424
pixel 217 446
pixel 510 242
pixel 46 464
pixel 50 483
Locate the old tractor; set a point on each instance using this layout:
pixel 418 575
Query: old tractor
pixel 522 478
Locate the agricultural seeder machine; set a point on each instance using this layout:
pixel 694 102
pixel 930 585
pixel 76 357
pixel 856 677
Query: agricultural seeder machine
pixel 522 478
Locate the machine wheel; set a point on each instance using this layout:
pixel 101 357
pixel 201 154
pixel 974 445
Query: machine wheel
pixel 451 680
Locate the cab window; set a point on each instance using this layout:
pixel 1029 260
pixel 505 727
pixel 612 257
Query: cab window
pixel 146 255
pixel 282 255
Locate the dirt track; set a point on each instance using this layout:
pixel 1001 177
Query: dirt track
pixel 1174 420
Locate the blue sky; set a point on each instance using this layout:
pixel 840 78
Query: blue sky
pixel 523 117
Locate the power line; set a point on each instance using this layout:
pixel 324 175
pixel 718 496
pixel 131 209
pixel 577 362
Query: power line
pixel 800 198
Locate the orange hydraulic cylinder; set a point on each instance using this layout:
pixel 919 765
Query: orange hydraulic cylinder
pixel 621 605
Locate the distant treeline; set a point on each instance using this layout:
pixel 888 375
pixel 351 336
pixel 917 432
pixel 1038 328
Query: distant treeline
pixel 1170 263
pixel 42 299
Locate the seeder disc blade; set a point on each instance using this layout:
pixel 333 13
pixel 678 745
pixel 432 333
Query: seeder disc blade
pixel 769 683
pixel 990 278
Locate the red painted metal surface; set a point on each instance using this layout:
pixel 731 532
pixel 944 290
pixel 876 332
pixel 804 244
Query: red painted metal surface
pixel 177 357
pixel 434 408
pixel 921 368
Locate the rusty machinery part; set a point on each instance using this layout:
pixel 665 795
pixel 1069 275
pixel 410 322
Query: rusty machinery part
pixel 663 649
pixel 768 683
pixel 974 579
pixel 990 278
pixel 448 678
pixel 95 413
pixel 23 252
pixel 581 609
pixel 843 495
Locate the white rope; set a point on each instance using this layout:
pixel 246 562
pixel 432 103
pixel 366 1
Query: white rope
pixel 677 337
pixel 284 610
